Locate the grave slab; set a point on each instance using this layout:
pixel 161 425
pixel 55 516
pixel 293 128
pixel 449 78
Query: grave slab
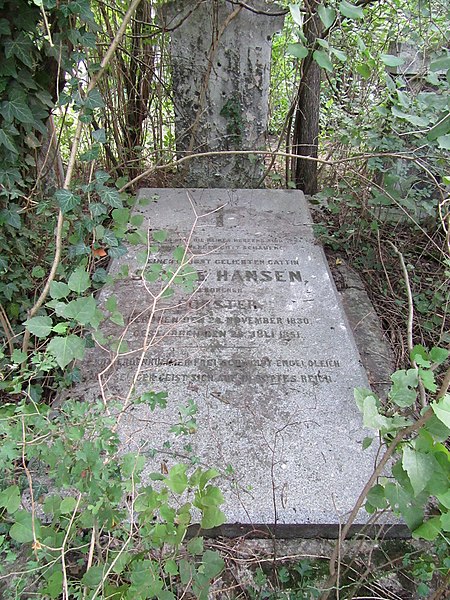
pixel 261 345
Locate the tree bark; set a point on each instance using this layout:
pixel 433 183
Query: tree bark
pixel 306 125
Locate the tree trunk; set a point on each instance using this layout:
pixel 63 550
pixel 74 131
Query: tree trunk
pixel 306 125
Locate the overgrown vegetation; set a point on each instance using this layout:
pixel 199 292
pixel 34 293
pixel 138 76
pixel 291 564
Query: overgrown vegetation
pixel 85 106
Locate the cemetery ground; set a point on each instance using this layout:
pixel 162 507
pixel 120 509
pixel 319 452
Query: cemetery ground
pixel 237 567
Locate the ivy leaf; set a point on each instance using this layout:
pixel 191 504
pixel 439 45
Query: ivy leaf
pixel 297 50
pixel 39 326
pixel 323 60
pixel 67 200
pixel 111 197
pixel 17 108
pixel 99 136
pixel 22 48
pixel 66 349
pixel 10 216
pixel 350 10
pixel 7 142
pixel 442 410
pixel 94 100
pixel 327 15
pixel 79 281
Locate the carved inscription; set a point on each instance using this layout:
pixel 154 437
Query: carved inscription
pixel 234 330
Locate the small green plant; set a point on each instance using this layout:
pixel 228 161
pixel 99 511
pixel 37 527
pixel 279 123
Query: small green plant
pixel 67 491
pixel 422 472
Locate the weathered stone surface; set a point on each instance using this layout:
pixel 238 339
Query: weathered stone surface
pixel 221 55
pixel 262 347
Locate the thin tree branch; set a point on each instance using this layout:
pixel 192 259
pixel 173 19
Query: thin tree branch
pixel 71 165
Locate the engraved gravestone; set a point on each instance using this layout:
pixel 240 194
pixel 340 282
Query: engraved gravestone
pixel 261 345
pixel 220 55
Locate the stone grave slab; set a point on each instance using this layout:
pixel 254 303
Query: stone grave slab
pixel 261 345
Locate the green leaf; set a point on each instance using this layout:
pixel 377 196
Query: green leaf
pixel 297 50
pixel 327 15
pixel 111 197
pixel 442 410
pixel 137 220
pixel 367 441
pixel 22 530
pixel 159 236
pixel 82 310
pixel 427 378
pixel 405 504
pixel 296 14
pixel 444 142
pixel 440 64
pixel 79 281
pixel 350 10
pixel 338 54
pixel 67 200
pixel 438 355
pixel 66 349
pixel 92 577
pixel 10 498
pixel 39 326
pixel 420 356
pixel 429 530
pixel 213 564
pixel 441 128
pixel 401 392
pixel 364 70
pixel 445 521
pixel 195 546
pixel 10 216
pixel 17 108
pixel 391 61
pixel 323 60
pixel 121 215
pixel 376 497
pixel 18 356
pixel 212 517
pixel 59 289
pixel 99 136
pixel 68 505
pixel 177 479
pixel 22 48
pixel 7 141
pixel 94 100
pixel 419 467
